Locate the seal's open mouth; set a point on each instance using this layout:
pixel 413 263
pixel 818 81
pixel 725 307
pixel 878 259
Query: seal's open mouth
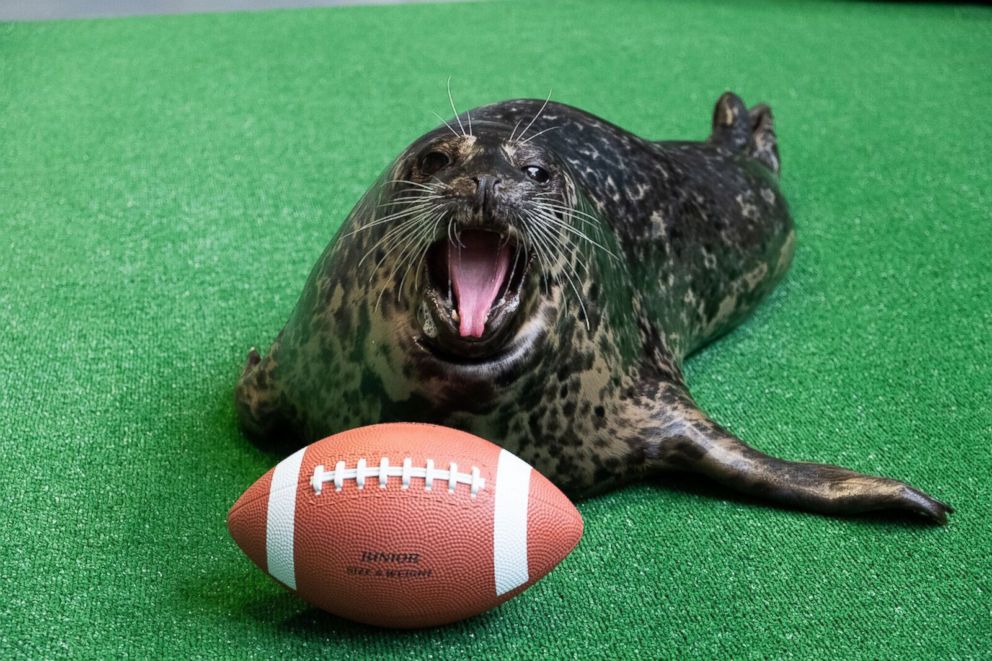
pixel 474 283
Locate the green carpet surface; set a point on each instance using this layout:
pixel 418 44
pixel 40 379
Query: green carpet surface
pixel 166 184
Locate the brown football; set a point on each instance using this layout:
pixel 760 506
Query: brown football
pixel 405 525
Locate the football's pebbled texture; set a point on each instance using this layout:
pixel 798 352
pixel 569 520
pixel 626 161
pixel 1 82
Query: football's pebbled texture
pixel 405 525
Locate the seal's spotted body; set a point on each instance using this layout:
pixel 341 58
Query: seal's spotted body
pixel 627 256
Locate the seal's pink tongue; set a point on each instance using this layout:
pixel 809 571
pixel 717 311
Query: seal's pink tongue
pixel 478 269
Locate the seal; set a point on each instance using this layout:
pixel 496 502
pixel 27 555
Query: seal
pixel 535 275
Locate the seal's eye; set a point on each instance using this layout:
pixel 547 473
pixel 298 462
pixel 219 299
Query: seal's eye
pixel 433 162
pixel 540 175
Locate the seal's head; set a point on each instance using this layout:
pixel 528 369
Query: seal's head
pixel 483 220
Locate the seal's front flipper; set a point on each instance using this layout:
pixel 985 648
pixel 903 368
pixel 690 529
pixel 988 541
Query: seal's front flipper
pixel 739 130
pixel 253 359
pixel 688 440
pixel 261 404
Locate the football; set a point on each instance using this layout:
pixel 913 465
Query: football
pixel 405 525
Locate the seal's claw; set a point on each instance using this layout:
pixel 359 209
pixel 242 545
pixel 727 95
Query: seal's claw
pixel 253 359
pixel 916 501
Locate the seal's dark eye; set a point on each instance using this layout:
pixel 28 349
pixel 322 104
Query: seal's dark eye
pixel 540 175
pixel 433 162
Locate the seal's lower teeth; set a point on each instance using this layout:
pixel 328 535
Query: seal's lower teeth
pixel 454 316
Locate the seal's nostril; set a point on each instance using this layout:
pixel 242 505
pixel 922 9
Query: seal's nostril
pixel 486 181
pixel 485 189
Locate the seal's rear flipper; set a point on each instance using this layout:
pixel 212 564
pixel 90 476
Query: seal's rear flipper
pixel 731 129
pixel 752 132
pixel 688 440
pixel 763 145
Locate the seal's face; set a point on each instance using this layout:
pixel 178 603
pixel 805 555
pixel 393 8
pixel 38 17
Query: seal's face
pixel 481 215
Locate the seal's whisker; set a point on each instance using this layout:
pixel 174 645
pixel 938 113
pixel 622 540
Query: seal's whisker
pixel 542 131
pixel 401 259
pixel 451 296
pixel 571 210
pixel 387 251
pixel 527 242
pixel 429 187
pixel 393 238
pixel 400 227
pixel 451 100
pixel 526 251
pixel 556 198
pixel 584 218
pixel 542 251
pixel 570 255
pixel 399 215
pixel 422 253
pixel 439 184
pixel 448 125
pixel 570 247
pixel 578 297
pixel 409 199
pixel 545 241
pixel 545 105
pixel 545 232
pixel 554 220
pixel 514 131
pixel 570 214
pixel 406 208
pixel 513 269
pixel 418 246
pixel 410 203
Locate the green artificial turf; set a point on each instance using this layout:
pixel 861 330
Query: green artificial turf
pixel 166 184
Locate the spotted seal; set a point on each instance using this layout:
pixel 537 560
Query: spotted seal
pixel 536 275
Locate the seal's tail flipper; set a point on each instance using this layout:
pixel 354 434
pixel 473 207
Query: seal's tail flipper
pixel 738 129
pixel 687 440
pixel 763 146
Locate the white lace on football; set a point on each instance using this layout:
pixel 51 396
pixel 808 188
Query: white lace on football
pixel 362 472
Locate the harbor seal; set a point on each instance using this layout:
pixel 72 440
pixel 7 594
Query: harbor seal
pixel 535 275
